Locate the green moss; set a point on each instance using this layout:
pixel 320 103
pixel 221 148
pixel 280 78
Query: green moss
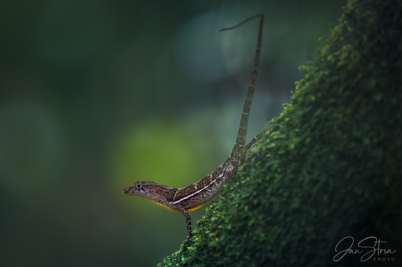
pixel 328 167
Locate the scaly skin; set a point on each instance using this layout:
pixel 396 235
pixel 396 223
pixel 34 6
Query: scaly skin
pixel 192 197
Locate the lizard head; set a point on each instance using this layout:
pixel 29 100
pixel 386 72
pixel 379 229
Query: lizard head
pixel 140 188
pixel 146 189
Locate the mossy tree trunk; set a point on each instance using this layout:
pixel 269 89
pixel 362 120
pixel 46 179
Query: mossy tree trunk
pixel 329 166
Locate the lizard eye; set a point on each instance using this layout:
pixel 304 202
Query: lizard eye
pixel 139 187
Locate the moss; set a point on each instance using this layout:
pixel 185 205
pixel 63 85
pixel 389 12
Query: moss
pixel 329 166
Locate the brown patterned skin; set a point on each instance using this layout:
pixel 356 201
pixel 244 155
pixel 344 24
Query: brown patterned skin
pixel 192 197
pixel 188 198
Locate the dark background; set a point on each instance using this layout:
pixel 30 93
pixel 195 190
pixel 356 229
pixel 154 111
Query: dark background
pixel 96 95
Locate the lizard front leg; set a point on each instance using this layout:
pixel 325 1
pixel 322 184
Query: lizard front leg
pixel 188 221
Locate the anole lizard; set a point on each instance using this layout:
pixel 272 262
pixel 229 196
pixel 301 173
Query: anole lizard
pixel 192 197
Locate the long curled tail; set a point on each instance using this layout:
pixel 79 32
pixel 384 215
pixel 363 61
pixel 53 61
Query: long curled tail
pixel 238 152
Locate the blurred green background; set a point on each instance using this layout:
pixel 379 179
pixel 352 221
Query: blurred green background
pixel 96 95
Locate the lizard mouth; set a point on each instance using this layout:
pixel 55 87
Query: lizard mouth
pixel 127 190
